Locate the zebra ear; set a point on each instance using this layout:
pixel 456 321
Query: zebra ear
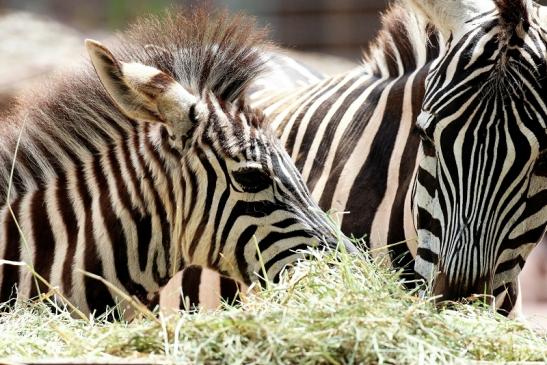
pixel 142 92
pixel 450 15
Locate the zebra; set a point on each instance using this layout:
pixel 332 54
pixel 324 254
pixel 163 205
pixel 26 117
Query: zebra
pixel 364 144
pixel 144 166
pixel 356 140
pixel 353 138
pixel 480 193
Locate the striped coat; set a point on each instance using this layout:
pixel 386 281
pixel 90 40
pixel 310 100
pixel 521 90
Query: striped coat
pixel 353 136
pixel 366 144
pixel 355 139
pixel 150 162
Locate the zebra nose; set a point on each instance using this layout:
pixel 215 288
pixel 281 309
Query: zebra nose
pixel 445 290
pixel 335 241
pixel 350 247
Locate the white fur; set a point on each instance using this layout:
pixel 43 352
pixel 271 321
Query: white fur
pixel 450 15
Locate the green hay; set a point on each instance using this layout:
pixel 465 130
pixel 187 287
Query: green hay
pixel 327 311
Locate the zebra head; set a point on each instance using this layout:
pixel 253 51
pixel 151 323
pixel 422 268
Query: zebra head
pixel 242 206
pixel 480 193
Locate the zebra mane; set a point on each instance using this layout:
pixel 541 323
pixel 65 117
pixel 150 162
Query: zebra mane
pixel 202 51
pixel 405 43
pixel 514 14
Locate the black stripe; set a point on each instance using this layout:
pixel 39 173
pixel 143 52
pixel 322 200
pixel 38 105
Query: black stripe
pixel 209 195
pixel 273 237
pixel 400 254
pixel 229 290
pixel 218 215
pixel 116 235
pixel 333 123
pixel 147 178
pixel 44 241
pixel 10 273
pixel 68 217
pixel 242 241
pixel 349 140
pixel 97 294
pixel 317 118
pixel 282 255
pixel 427 255
pixel 191 281
pixel 371 181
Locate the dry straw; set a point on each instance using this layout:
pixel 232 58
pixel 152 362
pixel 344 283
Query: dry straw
pixel 333 309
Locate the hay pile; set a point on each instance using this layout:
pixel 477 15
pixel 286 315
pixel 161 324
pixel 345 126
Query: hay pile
pixel 327 311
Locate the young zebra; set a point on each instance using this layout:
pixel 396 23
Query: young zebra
pixel 151 166
pixel 356 141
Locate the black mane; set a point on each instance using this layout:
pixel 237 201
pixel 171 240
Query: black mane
pixel 214 52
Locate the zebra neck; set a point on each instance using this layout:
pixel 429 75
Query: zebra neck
pixel 89 191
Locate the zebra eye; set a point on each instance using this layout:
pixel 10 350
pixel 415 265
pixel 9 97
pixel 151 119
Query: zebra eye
pixel 252 180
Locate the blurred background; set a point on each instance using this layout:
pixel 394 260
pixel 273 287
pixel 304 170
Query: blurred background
pixel 38 37
pixel 339 27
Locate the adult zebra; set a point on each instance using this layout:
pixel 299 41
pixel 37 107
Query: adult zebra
pixel 353 133
pixel 480 197
pixel 478 219
pixel 161 166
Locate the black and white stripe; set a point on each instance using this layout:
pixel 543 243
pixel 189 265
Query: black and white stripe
pixel 353 136
pixel 355 139
pixel 481 189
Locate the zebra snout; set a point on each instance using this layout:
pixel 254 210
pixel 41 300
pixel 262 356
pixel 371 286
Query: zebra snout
pixel 350 247
pixel 446 290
